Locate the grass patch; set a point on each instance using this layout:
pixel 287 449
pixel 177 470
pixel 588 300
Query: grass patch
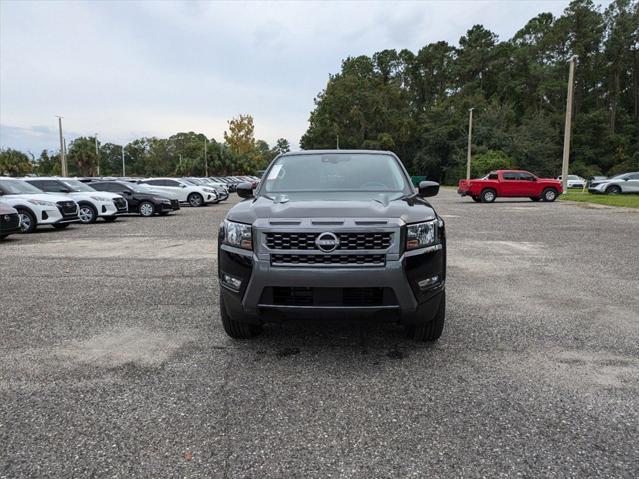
pixel 626 200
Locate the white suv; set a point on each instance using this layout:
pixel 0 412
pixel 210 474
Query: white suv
pixel 93 204
pixel 194 195
pixel 36 207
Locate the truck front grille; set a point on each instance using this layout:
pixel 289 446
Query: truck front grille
pixel 347 241
pixel 350 297
pixel 328 260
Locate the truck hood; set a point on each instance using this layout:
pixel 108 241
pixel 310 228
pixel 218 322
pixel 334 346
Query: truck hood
pixel 333 205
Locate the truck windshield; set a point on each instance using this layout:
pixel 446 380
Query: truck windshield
pixel 336 172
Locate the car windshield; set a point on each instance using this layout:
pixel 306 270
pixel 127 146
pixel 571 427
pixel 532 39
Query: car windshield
pixel 75 185
pixel 572 177
pixel 619 177
pixel 336 172
pixel 18 187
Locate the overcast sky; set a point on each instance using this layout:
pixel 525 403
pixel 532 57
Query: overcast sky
pixel 125 69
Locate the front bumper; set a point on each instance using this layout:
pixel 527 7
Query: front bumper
pixel 462 192
pixel 408 303
pixel 9 224
pixel 107 209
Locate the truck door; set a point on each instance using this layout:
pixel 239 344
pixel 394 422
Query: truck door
pixel 509 184
pixel 528 184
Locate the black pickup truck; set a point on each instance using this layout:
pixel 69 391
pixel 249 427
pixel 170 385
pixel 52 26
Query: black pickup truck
pixel 333 233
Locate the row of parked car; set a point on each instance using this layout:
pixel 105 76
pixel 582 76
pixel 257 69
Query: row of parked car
pixel 623 183
pixel 26 203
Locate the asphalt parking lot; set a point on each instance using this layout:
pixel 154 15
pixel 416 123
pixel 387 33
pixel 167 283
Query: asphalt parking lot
pixel 113 362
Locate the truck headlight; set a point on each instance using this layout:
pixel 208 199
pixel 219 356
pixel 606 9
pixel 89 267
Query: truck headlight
pixel 238 234
pixel 421 235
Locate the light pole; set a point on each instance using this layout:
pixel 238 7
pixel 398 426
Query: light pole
pixel 97 154
pixel 470 135
pixel 206 162
pixel 568 125
pixel 123 167
pixel 63 160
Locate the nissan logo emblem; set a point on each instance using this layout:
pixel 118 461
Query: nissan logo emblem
pixel 327 242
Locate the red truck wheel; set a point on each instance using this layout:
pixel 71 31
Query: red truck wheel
pixel 549 194
pixel 488 196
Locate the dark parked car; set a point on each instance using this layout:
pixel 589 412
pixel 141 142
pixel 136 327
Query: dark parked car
pixel 333 233
pixel 9 221
pixel 141 200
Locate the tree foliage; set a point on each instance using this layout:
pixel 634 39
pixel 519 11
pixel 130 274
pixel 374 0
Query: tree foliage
pixel 14 163
pixel 181 154
pixel 416 104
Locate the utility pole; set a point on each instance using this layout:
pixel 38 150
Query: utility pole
pixel 97 154
pixel 470 136
pixel 66 166
pixel 338 142
pixel 123 167
pixel 63 160
pixel 568 125
pixel 206 161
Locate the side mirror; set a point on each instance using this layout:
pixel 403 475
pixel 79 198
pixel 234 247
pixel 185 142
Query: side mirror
pixel 245 190
pixel 183 186
pixel 626 179
pixel 534 178
pixel 127 192
pixel 428 188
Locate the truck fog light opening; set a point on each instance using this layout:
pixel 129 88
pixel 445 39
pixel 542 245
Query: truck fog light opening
pixel 428 283
pixel 231 281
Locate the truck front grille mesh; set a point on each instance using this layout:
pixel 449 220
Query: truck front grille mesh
pixel 330 260
pixel 347 241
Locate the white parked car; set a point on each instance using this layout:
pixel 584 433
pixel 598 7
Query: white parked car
pixel 624 183
pixel 93 204
pixel 36 207
pixel 194 195
pixel 574 181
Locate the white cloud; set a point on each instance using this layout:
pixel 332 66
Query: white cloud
pixel 122 68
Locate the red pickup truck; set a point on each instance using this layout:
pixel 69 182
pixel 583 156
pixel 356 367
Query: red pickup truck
pixel 510 184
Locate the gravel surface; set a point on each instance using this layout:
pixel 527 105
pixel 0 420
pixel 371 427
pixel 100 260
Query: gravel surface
pixel 113 362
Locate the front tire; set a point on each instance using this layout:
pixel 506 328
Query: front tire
pixel 146 208
pixel 476 199
pixel 432 330
pixel 195 200
pixel 28 221
pixel 613 190
pixel 549 195
pixel 87 214
pixel 236 329
pixel 488 196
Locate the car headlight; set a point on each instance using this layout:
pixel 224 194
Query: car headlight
pixel 41 202
pixel 101 198
pixel 238 234
pixel 421 235
pixel 208 190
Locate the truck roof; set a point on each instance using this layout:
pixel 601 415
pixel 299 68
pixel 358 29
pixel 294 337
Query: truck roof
pixel 324 152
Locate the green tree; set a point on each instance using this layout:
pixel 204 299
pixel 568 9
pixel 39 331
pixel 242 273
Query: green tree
pixel 14 163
